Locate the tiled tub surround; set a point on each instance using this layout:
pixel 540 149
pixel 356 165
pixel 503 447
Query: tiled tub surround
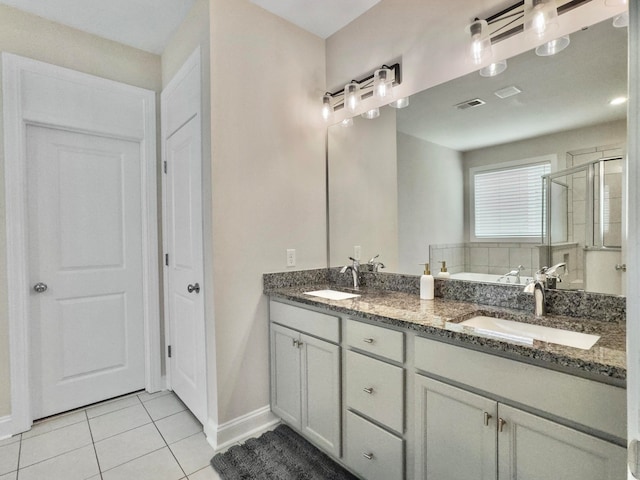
pixel 393 300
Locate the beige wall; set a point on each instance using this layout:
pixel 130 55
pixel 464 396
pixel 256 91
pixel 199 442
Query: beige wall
pixel 268 181
pixel 363 190
pixel 430 196
pixel 31 36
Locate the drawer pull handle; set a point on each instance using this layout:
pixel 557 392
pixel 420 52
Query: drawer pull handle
pixel 487 417
pixel 501 423
pixel 368 456
pixel 368 390
pixel 368 340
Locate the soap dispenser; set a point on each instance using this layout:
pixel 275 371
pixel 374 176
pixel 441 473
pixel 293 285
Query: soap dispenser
pixel 443 271
pixel 426 284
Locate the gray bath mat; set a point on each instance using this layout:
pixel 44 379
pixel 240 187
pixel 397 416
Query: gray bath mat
pixel 280 454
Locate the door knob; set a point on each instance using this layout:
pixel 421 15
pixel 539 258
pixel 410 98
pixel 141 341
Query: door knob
pixel 193 288
pixel 40 287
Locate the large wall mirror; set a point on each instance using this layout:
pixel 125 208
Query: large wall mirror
pixel 404 185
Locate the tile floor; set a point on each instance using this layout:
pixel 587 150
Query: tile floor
pixel 137 437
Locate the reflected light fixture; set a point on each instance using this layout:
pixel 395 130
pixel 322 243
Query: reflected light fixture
pixel 480 49
pixel 400 103
pixel 378 84
pixel 618 101
pixel 554 46
pixel 347 122
pixel 622 20
pixel 327 109
pixel 352 96
pixel 616 3
pixel 371 114
pixel 494 69
pixel 540 18
pixel 382 84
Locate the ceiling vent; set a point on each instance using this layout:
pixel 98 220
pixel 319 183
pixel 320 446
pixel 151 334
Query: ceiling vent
pixel 476 102
pixel 507 92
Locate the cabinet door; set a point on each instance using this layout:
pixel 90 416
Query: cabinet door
pixel 285 374
pixel 321 393
pixel 455 433
pixel 532 448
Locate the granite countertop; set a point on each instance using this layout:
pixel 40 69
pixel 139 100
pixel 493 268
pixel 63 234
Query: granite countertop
pixel 440 318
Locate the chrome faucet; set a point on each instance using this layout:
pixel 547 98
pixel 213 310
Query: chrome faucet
pixel 355 271
pixel 539 308
pixel 552 271
pixel 514 273
pixel 373 265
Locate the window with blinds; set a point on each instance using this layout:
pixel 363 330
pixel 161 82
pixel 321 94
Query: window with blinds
pixel 508 202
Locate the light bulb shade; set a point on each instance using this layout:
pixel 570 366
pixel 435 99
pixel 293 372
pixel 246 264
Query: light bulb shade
pixel 622 20
pixel 382 84
pixel 371 114
pixel 352 96
pixel 554 46
pixel 400 103
pixel 347 122
pixel 480 49
pixel 494 69
pixel 327 108
pixel 540 19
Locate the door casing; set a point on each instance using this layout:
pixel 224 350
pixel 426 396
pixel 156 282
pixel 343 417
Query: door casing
pixel 28 100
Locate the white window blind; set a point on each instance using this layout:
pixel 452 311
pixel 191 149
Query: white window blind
pixel 508 202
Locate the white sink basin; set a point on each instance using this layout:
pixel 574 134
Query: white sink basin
pixel 332 294
pixel 527 333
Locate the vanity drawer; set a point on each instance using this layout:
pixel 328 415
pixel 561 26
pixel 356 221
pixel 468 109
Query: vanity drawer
pixel 377 340
pixel 375 389
pixel 372 452
pixel 307 321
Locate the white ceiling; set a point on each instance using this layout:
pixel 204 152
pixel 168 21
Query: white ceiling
pixel 144 24
pixel 321 17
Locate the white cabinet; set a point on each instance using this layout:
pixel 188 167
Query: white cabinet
pixel 460 434
pixel 305 385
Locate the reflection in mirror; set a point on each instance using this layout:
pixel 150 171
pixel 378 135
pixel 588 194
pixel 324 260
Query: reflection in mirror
pixel 400 185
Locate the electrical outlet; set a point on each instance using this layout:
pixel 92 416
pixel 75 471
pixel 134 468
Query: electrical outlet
pixel 291 257
pixel 357 252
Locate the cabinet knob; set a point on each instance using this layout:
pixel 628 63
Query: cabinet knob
pixel 368 390
pixel 368 340
pixel 487 417
pixel 368 456
pixel 501 423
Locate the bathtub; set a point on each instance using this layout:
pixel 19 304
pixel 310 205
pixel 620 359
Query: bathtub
pixel 488 278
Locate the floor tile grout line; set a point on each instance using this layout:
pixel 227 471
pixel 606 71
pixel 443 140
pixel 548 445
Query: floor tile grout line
pixel 165 441
pixel 93 444
pixel 132 460
pixel 19 453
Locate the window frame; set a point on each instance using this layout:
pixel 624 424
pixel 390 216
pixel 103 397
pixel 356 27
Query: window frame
pixel 551 159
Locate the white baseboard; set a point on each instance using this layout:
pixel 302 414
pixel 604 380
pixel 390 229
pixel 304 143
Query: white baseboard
pixel 240 428
pixel 6 427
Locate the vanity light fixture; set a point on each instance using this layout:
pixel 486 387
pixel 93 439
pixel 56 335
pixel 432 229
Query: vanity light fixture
pixel 554 46
pixel 379 84
pixel 327 108
pixel 622 20
pixel 371 114
pixel 400 103
pixel 351 96
pixel 480 50
pixel 493 69
pixel 540 18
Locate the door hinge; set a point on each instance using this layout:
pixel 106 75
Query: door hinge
pixel 169 351
pixel 166 259
pixel 165 166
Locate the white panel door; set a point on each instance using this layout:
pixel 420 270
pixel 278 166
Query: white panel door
pixel 87 329
pixel 185 267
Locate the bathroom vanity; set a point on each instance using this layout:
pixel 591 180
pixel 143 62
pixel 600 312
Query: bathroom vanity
pixel 393 387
